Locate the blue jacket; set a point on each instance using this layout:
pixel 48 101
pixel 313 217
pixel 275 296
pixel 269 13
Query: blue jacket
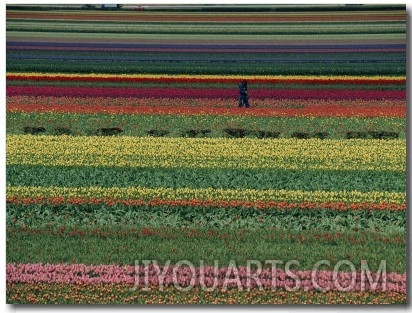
pixel 242 90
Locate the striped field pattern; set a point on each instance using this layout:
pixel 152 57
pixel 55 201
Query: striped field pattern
pixel 124 144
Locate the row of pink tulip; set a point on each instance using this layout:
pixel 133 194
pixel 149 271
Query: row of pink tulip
pixel 186 275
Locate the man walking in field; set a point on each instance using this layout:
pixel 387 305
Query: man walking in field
pixel 243 96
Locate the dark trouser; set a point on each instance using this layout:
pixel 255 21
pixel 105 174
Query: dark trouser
pixel 245 100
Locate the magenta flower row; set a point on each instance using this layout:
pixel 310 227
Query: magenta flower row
pixel 184 276
pixel 303 94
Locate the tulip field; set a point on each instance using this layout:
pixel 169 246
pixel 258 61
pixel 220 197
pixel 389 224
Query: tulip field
pixel 132 176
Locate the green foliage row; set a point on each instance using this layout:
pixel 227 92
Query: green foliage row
pixel 280 86
pixel 125 246
pixel 298 56
pixel 87 216
pixel 199 68
pixel 308 180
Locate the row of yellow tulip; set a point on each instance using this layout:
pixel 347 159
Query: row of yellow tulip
pixel 254 195
pixel 247 153
pixel 209 77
